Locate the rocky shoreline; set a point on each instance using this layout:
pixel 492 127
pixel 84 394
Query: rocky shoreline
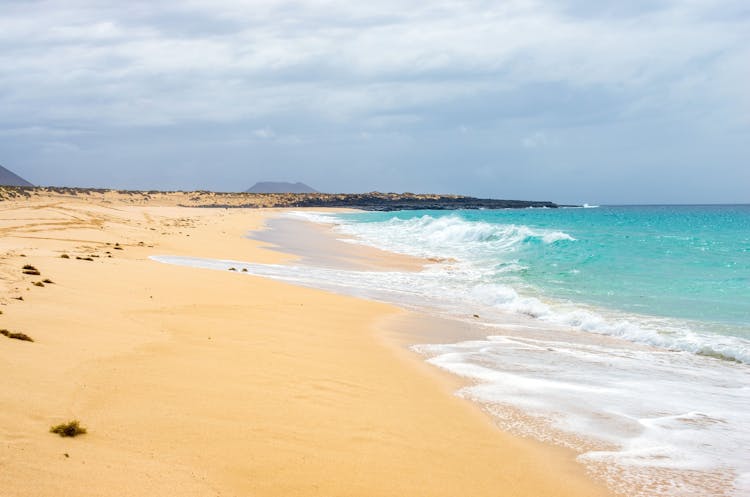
pixel 375 201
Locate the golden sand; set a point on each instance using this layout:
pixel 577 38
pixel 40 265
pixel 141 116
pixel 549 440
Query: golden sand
pixel 197 383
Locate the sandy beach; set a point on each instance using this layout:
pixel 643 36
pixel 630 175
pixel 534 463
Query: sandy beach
pixel 196 382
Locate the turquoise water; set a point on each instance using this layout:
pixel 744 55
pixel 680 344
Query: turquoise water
pixel 619 332
pixel 679 261
pixel 685 262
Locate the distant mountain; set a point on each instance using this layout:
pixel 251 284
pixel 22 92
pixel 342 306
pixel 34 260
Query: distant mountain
pixel 280 187
pixel 9 178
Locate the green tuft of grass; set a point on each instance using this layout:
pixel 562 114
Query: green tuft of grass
pixel 48 281
pixel 233 269
pixel 84 258
pixel 69 429
pixel 65 256
pixel 17 336
pixel 38 283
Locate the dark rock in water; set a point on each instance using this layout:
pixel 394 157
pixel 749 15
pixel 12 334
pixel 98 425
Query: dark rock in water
pixel 9 178
pixel 280 187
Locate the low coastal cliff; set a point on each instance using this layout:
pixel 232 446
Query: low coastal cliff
pixel 375 201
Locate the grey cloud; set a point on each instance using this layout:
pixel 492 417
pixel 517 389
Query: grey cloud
pixel 393 95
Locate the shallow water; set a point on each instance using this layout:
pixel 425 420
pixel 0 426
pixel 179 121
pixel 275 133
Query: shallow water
pixel 634 391
pixel 672 276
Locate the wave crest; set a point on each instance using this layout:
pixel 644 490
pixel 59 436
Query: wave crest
pixel 448 236
pixel 484 269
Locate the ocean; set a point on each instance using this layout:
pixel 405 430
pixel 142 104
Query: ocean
pixel 622 332
pixel 679 275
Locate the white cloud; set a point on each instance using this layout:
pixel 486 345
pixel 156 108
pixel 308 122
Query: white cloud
pixel 42 131
pixel 264 133
pixel 138 63
pixel 537 140
pixel 348 91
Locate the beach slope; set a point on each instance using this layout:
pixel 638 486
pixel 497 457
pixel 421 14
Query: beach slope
pixel 194 382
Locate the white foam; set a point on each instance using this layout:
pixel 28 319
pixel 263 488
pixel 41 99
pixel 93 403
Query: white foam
pixel 448 236
pixel 641 417
pixel 476 246
pixel 556 236
pixel 645 411
pixel 312 216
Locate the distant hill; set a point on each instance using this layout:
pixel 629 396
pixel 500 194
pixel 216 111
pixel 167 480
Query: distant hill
pixel 280 187
pixel 9 178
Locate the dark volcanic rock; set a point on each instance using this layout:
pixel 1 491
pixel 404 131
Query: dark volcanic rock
pixel 377 201
pixel 416 202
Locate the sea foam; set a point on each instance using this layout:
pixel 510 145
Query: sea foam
pixel 654 405
pixel 485 267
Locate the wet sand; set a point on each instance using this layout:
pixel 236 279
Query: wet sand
pixel 196 382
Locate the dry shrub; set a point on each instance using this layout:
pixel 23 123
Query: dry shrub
pixel 69 429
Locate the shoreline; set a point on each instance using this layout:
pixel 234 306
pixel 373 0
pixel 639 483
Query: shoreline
pixel 205 383
pixel 461 344
pixel 376 201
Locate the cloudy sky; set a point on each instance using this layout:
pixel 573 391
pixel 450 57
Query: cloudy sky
pixel 564 100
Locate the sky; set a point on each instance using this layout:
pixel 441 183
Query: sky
pixel 565 100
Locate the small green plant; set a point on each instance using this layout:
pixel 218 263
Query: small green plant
pixel 38 283
pixel 17 336
pixel 84 258
pixel 69 429
pixel 29 267
pixel 48 281
pixel 232 269
pixel 65 256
